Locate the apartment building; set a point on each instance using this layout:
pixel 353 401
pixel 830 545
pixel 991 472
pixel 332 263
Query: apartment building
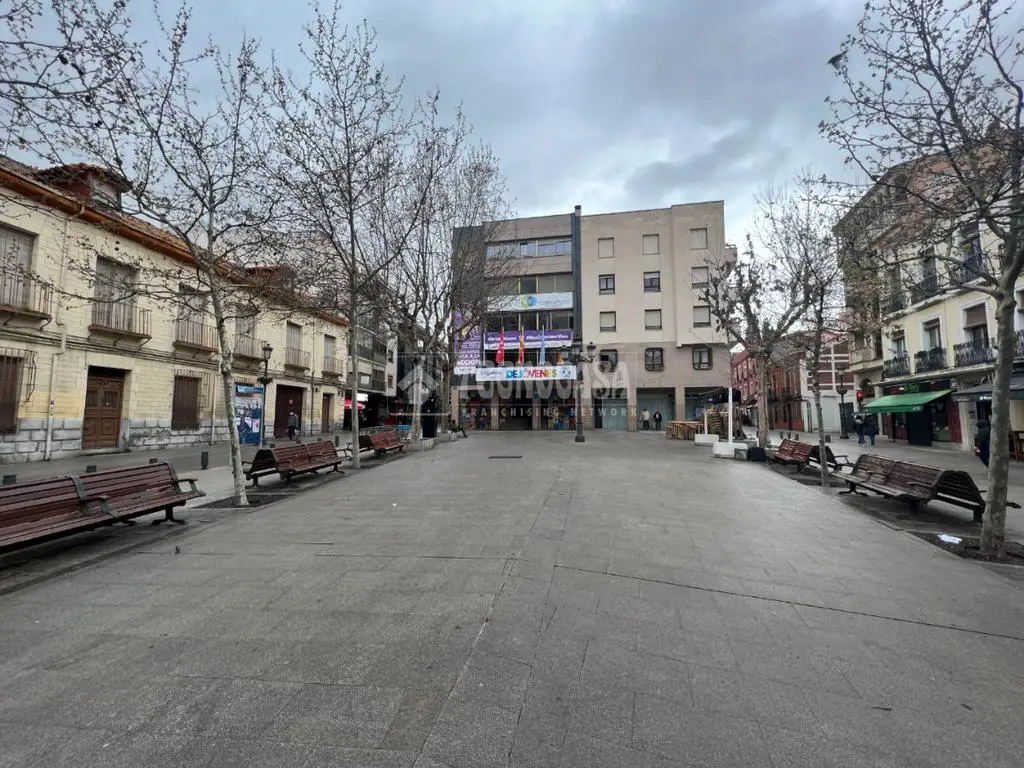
pixel 643 273
pixel 90 365
pixel 924 365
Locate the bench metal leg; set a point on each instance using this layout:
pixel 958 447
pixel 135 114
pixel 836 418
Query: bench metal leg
pixel 169 518
pixel 851 489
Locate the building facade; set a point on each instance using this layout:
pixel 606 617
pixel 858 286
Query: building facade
pixel 927 343
pixel 655 343
pixel 91 365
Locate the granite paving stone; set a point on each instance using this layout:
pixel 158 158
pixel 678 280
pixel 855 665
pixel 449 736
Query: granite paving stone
pixel 630 601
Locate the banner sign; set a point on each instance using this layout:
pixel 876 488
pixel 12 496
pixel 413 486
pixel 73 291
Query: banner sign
pixel 553 340
pixel 531 373
pixel 531 301
pixel 468 346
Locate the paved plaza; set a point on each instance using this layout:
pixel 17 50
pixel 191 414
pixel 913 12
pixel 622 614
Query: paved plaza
pixel 519 600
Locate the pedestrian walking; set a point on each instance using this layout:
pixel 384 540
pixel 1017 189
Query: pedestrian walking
pixel 870 429
pixel 293 424
pixel 983 441
pixel 858 427
pixel 657 421
pixel 645 418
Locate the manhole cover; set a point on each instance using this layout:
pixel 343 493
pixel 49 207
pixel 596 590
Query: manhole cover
pixel 504 457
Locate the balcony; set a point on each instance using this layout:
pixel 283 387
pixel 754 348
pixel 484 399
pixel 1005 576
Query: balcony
pixel 248 348
pixel 1019 347
pixel 194 334
pixel 933 359
pixel 924 289
pixel 894 302
pixel 296 358
pixel 333 366
pixel 25 295
pixel 973 353
pixel 896 366
pixel 864 355
pixel 121 319
pixel 967 269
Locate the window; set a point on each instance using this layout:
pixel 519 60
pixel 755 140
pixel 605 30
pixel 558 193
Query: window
pixel 654 359
pixel 391 381
pixel 899 344
pixel 652 282
pixel 650 245
pixel 605 247
pixel 652 319
pixel 932 335
pixel 191 304
pixel 329 346
pixel 976 325
pixel 11 370
pixel 606 284
pixel 15 249
pixel 114 294
pixel 528 285
pixel 702 316
pixel 245 327
pixel 528 250
pixel 185 403
pixel 607 359
pixel 557 248
pixel 699 277
pixel 702 358
pixel 698 239
pixel 607 321
pixel 563 283
pixel 562 320
pixel 294 336
pixel 545 283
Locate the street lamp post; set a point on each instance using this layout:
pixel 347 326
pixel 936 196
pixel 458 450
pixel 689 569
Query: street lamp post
pixel 265 380
pixel 576 357
pixel 841 390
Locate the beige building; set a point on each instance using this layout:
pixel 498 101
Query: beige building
pixel 655 344
pixel 89 364
pixel 923 359
pixel 643 274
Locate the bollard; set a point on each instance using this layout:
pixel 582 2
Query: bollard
pixel 90 468
pixel 10 479
pixel 828 438
pixel 204 460
pixel 782 435
pixel 337 441
pixel 154 461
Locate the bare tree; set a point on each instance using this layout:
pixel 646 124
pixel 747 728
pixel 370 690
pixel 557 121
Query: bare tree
pixel 937 124
pixel 59 52
pixel 446 271
pixel 190 164
pixel 759 298
pixel 345 157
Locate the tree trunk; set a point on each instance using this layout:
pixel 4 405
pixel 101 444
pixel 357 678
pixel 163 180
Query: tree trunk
pixel 993 529
pixel 417 399
pixel 821 433
pixel 227 381
pixel 353 315
pixel 762 403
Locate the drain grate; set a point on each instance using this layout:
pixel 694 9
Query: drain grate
pixel 504 457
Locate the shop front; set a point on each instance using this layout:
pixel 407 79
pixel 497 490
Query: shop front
pixel 920 412
pixel 520 398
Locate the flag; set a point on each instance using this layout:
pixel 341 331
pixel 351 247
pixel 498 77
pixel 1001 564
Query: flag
pixel 500 357
pixel 540 359
pixel 522 348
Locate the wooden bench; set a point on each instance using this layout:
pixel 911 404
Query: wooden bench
pixel 835 461
pixel 791 452
pixel 385 442
pixel 290 460
pixel 130 492
pixel 40 510
pixel 915 483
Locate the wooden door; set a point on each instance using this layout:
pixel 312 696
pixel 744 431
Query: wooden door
pixel 327 413
pixel 101 424
pixel 288 399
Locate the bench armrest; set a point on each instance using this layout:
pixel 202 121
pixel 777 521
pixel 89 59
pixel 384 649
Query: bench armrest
pixel 190 480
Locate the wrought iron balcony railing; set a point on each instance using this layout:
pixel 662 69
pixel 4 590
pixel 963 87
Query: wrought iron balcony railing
pixel 193 333
pixel 933 359
pixel 973 353
pixel 924 288
pixel 24 294
pixel 122 318
pixel 296 358
pixel 897 366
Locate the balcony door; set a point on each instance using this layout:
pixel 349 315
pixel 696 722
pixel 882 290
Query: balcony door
pixel 15 263
pixel 114 294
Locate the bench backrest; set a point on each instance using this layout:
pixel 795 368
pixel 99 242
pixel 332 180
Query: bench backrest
pixel 794 449
pixel 385 439
pixel 917 477
pixel 39 500
pixel 263 460
pixel 129 481
pixel 830 458
pixel 322 451
pixel 291 455
pixel 868 464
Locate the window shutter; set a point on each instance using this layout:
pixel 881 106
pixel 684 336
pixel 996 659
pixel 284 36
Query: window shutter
pixel 974 316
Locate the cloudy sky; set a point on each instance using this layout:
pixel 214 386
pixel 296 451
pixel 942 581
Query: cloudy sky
pixel 612 104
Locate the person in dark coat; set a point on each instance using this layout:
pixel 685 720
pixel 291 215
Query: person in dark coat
pixel 983 441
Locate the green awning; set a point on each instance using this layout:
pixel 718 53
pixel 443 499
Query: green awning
pixel 910 403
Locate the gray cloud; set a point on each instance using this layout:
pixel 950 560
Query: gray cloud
pixel 617 103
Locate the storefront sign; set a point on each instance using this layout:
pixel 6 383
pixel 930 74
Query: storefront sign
pixel 912 387
pixel 531 373
pixel 553 340
pixel 531 301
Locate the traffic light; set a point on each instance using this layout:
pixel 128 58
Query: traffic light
pixel 860 395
